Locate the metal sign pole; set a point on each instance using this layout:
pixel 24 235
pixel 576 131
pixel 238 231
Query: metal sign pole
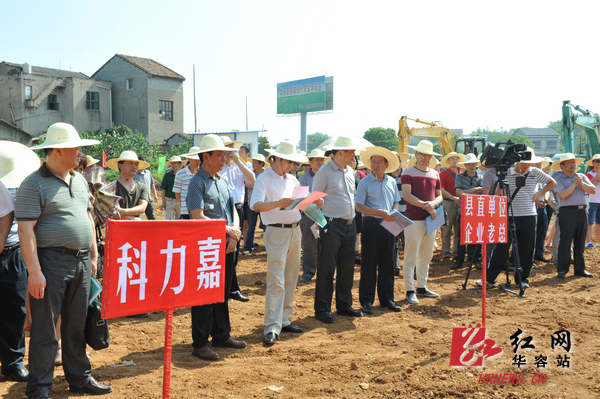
pixel 167 355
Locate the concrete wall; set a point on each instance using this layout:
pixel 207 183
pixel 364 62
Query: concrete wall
pixel 84 118
pixel 6 133
pixel 165 89
pixel 130 107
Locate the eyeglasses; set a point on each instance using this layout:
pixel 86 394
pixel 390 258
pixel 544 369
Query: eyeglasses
pixel 597 161
pixel 296 164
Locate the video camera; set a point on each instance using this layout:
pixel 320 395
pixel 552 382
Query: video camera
pixel 504 158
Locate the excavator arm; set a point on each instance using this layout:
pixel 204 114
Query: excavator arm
pixel 431 130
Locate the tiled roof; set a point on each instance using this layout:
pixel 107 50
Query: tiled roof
pixel 2 121
pixel 56 73
pixel 147 65
pixel 532 131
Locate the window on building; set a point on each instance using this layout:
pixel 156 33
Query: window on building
pixel 92 100
pixel 27 92
pixel 53 102
pixel 165 110
pixel 129 84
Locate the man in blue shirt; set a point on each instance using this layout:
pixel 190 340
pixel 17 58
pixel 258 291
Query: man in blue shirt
pixel 377 196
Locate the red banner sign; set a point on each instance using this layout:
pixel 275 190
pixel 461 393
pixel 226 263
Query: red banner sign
pixel 483 219
pixel 160 265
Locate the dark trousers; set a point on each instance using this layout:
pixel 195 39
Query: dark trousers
pixel 150 211
pixel 377 265
pixel 542 230
pixel 526 226
pixel 310 248
pixel 573 228
pixel 234 281
pixel 549 213
pixel 66 294
pixel 252 218
pixel 336 250
pixel 13 290
pixel 213 320
pixel 473 252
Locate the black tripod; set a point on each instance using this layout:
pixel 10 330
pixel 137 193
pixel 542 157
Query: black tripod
pixel 502 183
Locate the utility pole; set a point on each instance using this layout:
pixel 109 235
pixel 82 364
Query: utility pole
pixel 195 117
pixel 246 113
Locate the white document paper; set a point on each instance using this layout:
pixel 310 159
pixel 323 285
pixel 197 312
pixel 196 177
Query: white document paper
pixel 400 223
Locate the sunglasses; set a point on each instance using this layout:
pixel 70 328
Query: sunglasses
pixel 597 161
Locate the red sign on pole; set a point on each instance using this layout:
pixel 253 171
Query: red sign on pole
pixel 483 219
pixel 153 266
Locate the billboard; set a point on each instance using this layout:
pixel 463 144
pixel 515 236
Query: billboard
pixel 303 95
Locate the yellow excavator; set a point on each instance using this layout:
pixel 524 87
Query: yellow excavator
pixel 465 145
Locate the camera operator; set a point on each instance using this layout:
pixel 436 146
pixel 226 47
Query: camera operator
pixel 525 217
pixel 572 216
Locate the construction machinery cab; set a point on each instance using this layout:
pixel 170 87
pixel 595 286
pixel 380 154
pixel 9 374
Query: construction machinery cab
pixel 474 145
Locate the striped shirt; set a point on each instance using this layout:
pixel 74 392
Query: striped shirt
pixel 398 180
pixel 522 204
pixel 423 185
pixel 182 181
pixel 212 195
pixel 7 205
pixel 145 177
pixel 59 209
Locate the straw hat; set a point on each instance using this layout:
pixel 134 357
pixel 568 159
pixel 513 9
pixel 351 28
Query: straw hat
pixel 591 161
pixel 424 147
pixel 234 144
pixel 534 158
pixel 89 161
pixel 344 143
pixel 444 160
pixel 316 153
pixel 566 157
pixel 113 163
pixel 470 158
pixel 287 150
pixel 16 163
pixel 210 142
pixel 63 135
pixel 432 162
pixel 546 161
pixel 393 161
pixel 403 156
pixel 194 152
pixel 176 158
pixel 261 158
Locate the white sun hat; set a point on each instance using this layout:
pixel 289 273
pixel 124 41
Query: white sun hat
pixel 390 157
pixel 591 161
pixel 63 135
pixel 16 163
pixel 287 150
pixel 234 144
pixel 113 163
pixel 176 158
pixel 546 161
pixel 192 153
pixel 470 158
pixel 317 153
pixel 566 157
pixel 432 162
pixel 210 142
pixel 424 147
pixel 534 158
pixel 345 143
pixel 444 160
pixel 261 158
pixel 89 161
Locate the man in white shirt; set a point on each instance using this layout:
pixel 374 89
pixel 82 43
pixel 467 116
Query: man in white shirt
pixel 272 191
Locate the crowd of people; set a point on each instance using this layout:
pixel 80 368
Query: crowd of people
pixel 48 249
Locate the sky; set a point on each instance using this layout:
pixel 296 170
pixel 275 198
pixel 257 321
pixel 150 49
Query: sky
pixel 466 64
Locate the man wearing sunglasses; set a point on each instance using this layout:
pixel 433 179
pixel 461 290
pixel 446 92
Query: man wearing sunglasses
pixel 594 199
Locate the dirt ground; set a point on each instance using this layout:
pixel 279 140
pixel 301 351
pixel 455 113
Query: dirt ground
pixel 385 355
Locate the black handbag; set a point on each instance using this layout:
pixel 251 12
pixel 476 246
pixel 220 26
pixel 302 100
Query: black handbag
pixel 96 329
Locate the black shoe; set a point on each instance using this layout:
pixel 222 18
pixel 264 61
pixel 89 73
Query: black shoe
pixel 525 284
pixel 238 296
pixel 367 308
pixel 44 395
pixel 325 317
pixel 457 265
pixel 306 279
pixel 140 316
pixel 478 265
pixel 583 273
pixel 540 258
pixel 350 312
pixel 93 387
pixel 270 338
pixel 19 375
pixel 292 329
pixel 561 275
pixel 510 269
pixel 392 306
pixel 397 272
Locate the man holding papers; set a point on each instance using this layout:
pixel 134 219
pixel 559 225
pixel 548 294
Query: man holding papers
pixel 422 191
pixel 377 196
pixel 273 191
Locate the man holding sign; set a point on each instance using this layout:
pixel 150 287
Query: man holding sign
pixel 272 191
pixel 208 197
pixel 377 196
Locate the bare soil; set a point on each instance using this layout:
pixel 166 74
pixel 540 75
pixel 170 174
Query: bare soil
pixel 386 355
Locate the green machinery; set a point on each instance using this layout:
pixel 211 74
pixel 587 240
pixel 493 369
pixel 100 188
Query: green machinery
pixel 586 120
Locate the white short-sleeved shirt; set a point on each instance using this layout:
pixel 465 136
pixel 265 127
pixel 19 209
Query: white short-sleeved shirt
pixel 269 187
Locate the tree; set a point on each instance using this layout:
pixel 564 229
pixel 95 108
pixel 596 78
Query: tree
pixel 314 140
pixel 263 144
pixel 517 138
pixel 382 137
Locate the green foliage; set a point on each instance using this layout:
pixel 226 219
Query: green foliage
pixel 517 138
pixel 263 144
pixel 315 139
pixel 382 137
pixel 502 136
